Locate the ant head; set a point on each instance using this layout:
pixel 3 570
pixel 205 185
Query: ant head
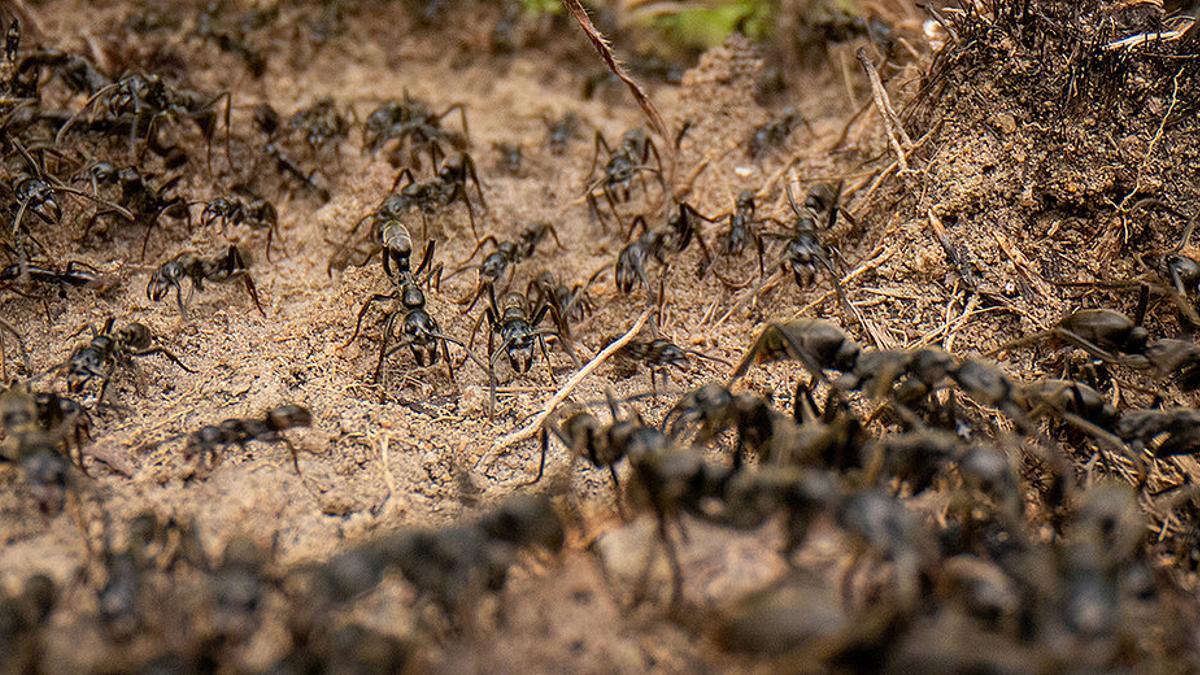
pixel 520 353
pixel 745 199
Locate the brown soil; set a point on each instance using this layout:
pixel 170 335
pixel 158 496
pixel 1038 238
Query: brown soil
pixel 1033 193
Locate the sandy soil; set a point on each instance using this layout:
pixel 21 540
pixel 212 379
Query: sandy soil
pixel 411 455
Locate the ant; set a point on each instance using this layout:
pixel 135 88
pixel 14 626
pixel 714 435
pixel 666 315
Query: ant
pixel 560 132
pixel 571 304
pixel 414 123
pixel 804 250
pixel 1103 333
pixel 760 430
pixel 507 254
pixel 515 319
pixel 448 185
pixel 818 345
pixel 37 448
pixel 628 161
pixel 146 201
pixel 680 229
pixel 220 269
pixel 233 40
pixel 774 133
pixel 203 445
pixel 110 349
pixel 741 233
pixel 266 120
pixel 140 101
pixel 659 355
pixel 321 124
pixel 257 213
pixel 76 274
pixel 417 329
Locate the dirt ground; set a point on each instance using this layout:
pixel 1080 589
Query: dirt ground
pixel 1030 203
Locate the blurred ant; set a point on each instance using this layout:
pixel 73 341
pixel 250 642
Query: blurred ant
pixel 774 133
pixel 203 445
pixel 233 39
pixel 560 132
pixel 110 349
pixel 267 121
pixel 413 123
pixel 321 124
pixel 511 158
pixel 220 269
pixel 628 161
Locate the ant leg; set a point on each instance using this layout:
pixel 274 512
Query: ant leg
pixel 541 339
pixel 362 312
pixel 612 203
pixel 163 351
pixel 383 350
pixel 179 298
pixel 253 293
pixel 295 454
pixel 20 345
pixel 598 143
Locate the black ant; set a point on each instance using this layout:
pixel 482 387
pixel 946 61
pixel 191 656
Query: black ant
pixel 110 349
pixel 233 40
pixel 628 161
pixel 571 304
pixel 818 345
pixel 203 445
pixel 560 132
pixel 805 252
pixel 448 185
pixel 37 451
pixel 659 355
pixel 141 101
pixel 417 329
pixel 504 258
pixel 321 124
pixel 517 322
pixel 741 233
pixel 257 213
pixel 146 201
pixel 75 274
pixel 267 121
pixel 412 122
pixel 220 269
pixel 673 238
pixel 774 133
